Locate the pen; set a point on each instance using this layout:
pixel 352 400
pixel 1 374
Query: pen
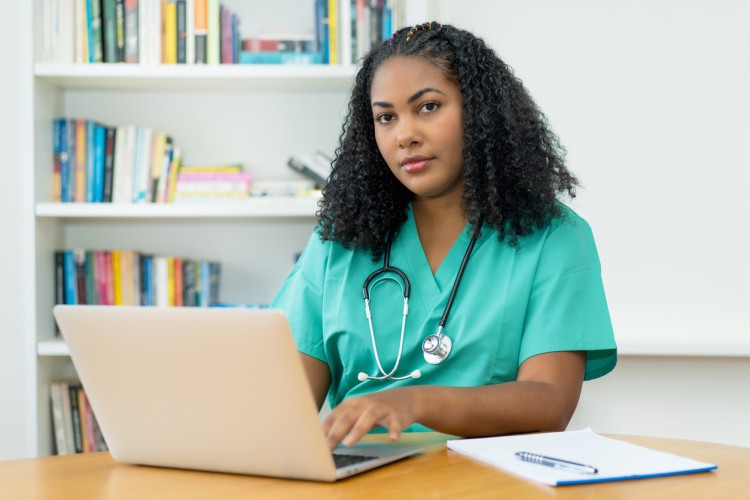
pixel 557 463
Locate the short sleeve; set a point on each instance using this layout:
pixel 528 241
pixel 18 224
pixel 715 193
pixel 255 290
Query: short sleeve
pixel 300 298
pixel 567 308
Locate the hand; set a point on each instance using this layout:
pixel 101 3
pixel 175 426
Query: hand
pixel 394 409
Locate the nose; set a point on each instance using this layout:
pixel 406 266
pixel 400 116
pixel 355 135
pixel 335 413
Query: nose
pixel 408 133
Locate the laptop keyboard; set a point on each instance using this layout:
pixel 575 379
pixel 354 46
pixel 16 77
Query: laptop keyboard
pixel 342 460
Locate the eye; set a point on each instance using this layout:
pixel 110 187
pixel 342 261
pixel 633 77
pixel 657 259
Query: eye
pixel 430 107
pixel 384 118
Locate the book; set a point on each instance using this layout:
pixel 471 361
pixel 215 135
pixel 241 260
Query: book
pixel 109 161
pixel 80 160
pixel 57 133
pixel 311 169
pixel 246 57
pixel 94 22
pixel 213 42
pixel 181 31
pixel 201 31
pixel 109 30
pixel 169 11
pixel 58 419
pixel 120 30
pixel 607 459
pixel 131 31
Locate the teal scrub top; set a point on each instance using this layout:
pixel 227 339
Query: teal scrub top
pixel 543 295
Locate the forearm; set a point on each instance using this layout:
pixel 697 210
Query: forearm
pixel 513 407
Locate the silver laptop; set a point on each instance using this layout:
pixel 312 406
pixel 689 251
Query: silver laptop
pixel 208 389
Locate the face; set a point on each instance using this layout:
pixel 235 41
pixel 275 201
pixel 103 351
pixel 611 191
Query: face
pixel 418 128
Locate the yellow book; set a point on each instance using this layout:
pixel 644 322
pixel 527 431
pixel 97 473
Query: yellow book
pixel 214 169
pixel 173 169
pixel 333 35
pixel 170 32
pixel 116 277
pixel 157 157
pixel 80 161
pixel 170 281
pixel 83 420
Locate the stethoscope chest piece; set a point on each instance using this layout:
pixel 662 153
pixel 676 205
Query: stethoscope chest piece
pixel 436 348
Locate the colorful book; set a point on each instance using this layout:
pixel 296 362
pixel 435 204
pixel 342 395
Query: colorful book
pixel 201 31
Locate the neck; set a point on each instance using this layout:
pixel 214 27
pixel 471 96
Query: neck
pixel 439 223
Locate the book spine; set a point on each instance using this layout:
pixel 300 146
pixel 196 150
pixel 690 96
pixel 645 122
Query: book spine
pixel 64 160
pixel 71 284
pixel 109 163
pixel 201 31
pixel 181 31
pixel 80 161
pixel 75 417
pixel 109 26
pixel 67 417
pixel 131 31
pixel 188 283
pixel 170 32
pixel 190 31
pixel 120 30
pixel 79 256
pixel 100 139
pixel 90 160
pixel 116 278
pixel 178 281
pixel 333 32
pixel 59 282
pixel 89 277
pixel 57 125
pixel 144 31
pixel 214 32
pixel 58 418
pixel 95 31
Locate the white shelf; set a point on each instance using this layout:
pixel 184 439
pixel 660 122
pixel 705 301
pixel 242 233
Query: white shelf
pixel 195 77
pixel 52 348
pixel 260 207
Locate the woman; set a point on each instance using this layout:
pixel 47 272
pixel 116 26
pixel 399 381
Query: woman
pixel 447 172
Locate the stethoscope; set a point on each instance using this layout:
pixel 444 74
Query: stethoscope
pixel 435 347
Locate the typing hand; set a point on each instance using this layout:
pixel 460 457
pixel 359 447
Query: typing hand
pixel 394 409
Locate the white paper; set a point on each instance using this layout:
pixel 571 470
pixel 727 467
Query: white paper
pixel 614 459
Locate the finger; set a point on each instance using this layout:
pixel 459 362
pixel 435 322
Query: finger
pixel 364 424
pixel 337 425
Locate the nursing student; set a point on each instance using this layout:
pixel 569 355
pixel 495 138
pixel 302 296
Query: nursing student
pixel 447 286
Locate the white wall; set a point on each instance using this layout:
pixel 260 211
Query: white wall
pixel 17 389
pixel 651 100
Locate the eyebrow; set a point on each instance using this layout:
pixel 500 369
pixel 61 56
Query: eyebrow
pixel 411 99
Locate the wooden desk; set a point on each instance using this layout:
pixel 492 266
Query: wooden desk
pixel 437 473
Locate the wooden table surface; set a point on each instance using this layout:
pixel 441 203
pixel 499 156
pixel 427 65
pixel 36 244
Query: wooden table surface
pixel 436 473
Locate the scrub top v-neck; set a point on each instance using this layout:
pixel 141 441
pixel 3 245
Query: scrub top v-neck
pixel 544 294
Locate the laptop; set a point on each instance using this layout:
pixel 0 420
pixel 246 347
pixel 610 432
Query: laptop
pixel 215 389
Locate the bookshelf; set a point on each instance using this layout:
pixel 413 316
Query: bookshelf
pixel 256 115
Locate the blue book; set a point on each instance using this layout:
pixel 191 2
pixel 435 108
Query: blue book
pixel 61 128
pixel 321 32
pixel 71 281
pixel 280 58
pixel 56 151
pixel 98 177
pixel 205 273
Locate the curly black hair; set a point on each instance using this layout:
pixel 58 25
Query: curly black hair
pixel 514 165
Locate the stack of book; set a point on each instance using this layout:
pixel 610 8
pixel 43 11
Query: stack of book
pixel 74 424
pixel 129 277
pixel 215 183
pixel 139 31
pixel 96 163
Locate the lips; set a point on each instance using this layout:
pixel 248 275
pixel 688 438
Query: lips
pixel 415 163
